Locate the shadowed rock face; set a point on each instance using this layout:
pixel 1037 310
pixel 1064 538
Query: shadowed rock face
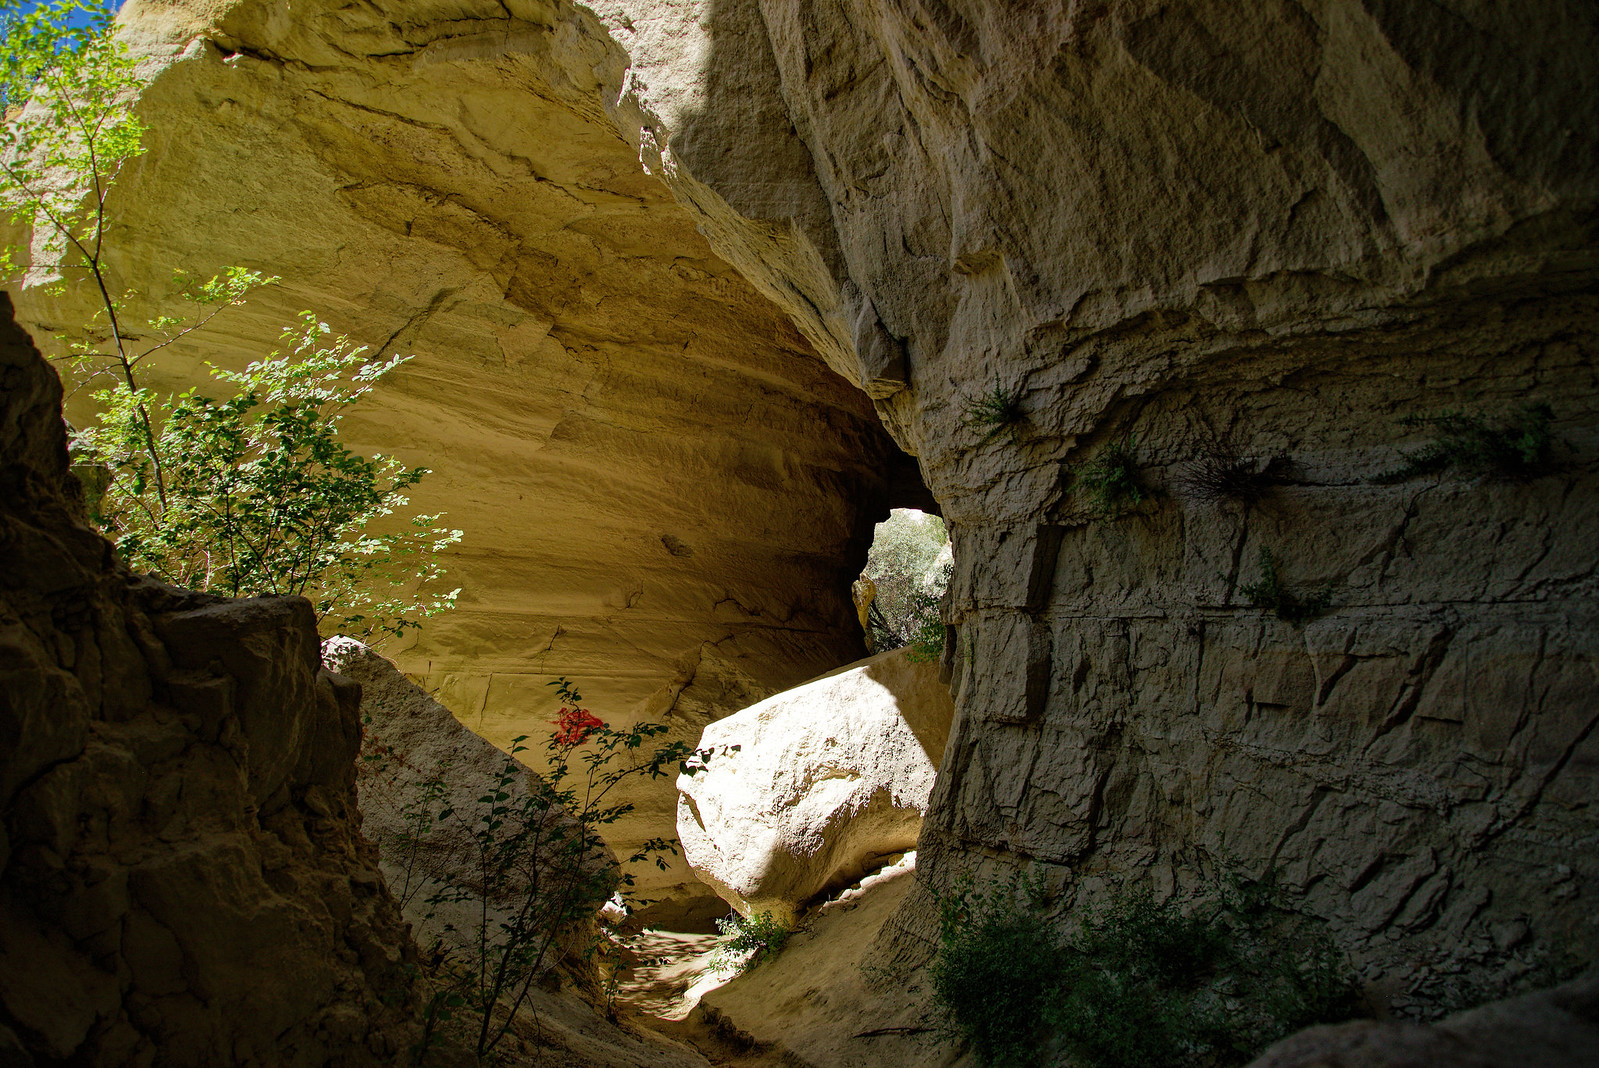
pixel 1263 233
pixel 177 804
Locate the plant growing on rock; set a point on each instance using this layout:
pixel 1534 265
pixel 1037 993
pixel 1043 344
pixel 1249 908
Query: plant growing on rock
pixel 1219 475
pixel 1138 983
pixel 253 494
pixel 1112 481
pixel 748 942
pixel 996 411
pixel 997 970
pixel 1285 603
pixel 536 868
pixel 1516 448
pixel 261 495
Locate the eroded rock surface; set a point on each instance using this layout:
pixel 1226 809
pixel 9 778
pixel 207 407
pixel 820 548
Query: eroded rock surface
pixel 182 876
pixel 665 492
pixel 809 790
pixel 1556 1028
pixel 1235 234
pixel 1216 232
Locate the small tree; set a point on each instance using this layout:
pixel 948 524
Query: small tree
pixel 250 495
pixel 262 496
pixel 534 865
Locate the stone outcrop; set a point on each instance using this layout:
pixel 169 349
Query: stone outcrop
pixel 1232 237
pixel 807 791
pixel 182 876
pixel 1557 1028
pixel 417 761
pixel 664 492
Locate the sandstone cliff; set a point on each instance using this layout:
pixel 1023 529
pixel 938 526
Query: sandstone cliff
pixel 1252 236
pixel 1256 235
pixel 177 804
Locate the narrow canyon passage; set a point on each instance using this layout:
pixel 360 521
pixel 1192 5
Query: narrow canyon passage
pixel 1247 353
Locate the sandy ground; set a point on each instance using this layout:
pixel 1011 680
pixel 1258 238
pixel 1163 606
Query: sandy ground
pixel 820 1004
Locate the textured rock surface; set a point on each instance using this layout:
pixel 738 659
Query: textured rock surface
pixel 809 790
pixel 665 493
pixel 1269 231
pixel 1263 231
pixel 1557 1028
pixel 416 761
pixel 822 1003
pixel 177 804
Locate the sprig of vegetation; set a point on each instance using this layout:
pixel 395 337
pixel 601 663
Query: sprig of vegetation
pixel 998 969
pixel 263 497
pixel 1286 604
pixel 748 942
pixel 1138 984
pixel 535 867
pixel 996 411
pixel 1515 449
pixel 1112 480
pixel 1219 474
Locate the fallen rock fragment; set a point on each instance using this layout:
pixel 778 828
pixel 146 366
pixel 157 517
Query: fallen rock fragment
pixel 809 790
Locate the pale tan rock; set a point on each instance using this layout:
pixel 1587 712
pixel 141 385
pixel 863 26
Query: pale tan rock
pixel 809 790
pixel 829 998
pixel 1216 228
pixel 1268 230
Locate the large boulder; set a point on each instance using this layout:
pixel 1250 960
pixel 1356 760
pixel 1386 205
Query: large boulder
pixel 809 790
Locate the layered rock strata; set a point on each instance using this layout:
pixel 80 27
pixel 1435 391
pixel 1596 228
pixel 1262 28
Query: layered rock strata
pixel 664 493
pixel 177 806
pixel 1224 238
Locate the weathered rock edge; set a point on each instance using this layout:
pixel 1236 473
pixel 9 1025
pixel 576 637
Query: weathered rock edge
pixel 182 874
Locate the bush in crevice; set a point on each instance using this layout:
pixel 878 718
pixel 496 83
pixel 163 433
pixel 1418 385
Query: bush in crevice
pixel 748 942
pixel 1112 481
pixel 996 411
pixel 1138 983
pixel 1219 475
pixel 1516 449
pixel 1282 601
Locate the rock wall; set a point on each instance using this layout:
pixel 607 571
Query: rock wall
pixel 177 804
pixel 1258 235
pixel 1217 232
pixel 664 493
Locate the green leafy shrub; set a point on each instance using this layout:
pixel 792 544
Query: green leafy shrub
pixel 1517 448
pixel 258 494
pixel 998 969
pixel 908 575
pixel 1112 480
pixel 251 494
pixel 996 411
pixel 1138 984
pixel 1286 604
pixel 748 942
